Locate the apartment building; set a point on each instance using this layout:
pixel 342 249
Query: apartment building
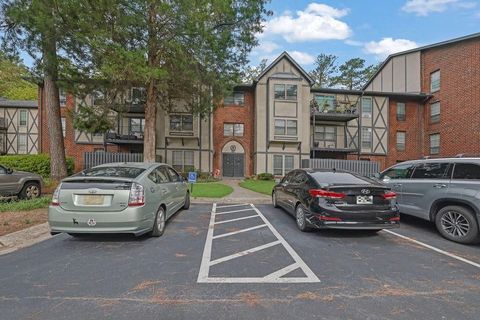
pixel 421 102
pixel 19 126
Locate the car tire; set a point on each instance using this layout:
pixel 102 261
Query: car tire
pixel 186 205
pixel 159 223
pixel 274 200
pixel 458 224
pixel 300 218
pixel 76 235
pixel 30 190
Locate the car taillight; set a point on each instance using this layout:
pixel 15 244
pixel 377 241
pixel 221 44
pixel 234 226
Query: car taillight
pixel 137 195
pixel 320 193
pixel 389 195
pixel 55 196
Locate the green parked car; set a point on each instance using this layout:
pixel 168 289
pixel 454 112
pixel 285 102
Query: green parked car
pixel 135 198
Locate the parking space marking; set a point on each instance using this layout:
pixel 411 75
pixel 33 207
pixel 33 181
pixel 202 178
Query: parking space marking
pixel 238 231
pixel 274 277
pixel 243 253
pixel 233 205
pixel 225 212
pixel 236 219
pixel 448 254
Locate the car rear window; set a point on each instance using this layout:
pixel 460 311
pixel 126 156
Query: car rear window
pixel 466 171
pixel 339 178
pixel 119 172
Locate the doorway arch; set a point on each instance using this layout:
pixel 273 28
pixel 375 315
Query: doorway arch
pixel 233 159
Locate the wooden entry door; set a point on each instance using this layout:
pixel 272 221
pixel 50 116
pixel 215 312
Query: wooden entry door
pixel 233 164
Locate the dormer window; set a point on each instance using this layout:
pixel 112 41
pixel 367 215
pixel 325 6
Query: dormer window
pixel 285 91
pixel 237 98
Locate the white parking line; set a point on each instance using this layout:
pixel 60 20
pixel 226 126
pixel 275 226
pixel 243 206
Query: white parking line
pixel 234 205
pixel 274 277
pixel 233 211
pixel 238 231
pixel 448 254
pixel 237 219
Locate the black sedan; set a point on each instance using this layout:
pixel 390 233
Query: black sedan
pixel 336 199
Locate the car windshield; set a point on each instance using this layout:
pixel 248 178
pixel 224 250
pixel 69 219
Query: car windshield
pixel 120 172
pixel 339 178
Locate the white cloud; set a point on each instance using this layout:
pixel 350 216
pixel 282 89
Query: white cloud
pixel 302 57
pixel 265 47
pixel 424 7
pixel 317 22
pixel 388 46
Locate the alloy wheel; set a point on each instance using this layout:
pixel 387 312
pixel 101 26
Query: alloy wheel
pixel 455 224
pixel 300 217
pixel 32 191
pixel 161 221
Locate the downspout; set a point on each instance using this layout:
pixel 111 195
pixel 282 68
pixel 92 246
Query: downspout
pixel 359 129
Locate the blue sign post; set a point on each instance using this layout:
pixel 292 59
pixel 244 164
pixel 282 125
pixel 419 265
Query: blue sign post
pixel 192 178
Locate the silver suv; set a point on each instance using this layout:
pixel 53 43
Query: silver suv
pixel 24 185
pixel 444 191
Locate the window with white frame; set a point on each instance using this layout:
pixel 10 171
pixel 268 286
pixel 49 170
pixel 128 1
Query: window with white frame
pixel 181 122
pixel 367 107
pixel 23 118
pixel 286 127
pixel 137 125
pixel 367 138
pixel 237 98
pixel 401 115
pixel 282 164
pixel 435 112
pixel 22 143
pixel 401 140
pixel 435 143
pixel 62 94
pixel 183 160
pixel 64 126
pixel 233 129
pixel 285 91
pixel 435 81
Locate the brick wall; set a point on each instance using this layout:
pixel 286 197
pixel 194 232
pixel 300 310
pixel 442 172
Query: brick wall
pixel 459 97
pixel 235 114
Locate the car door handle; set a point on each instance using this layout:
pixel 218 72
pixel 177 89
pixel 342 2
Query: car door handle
pixel 439 185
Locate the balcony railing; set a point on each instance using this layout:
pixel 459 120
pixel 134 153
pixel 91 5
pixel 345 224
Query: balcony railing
pixel 335 110
pixel 124 136
pixel 333 146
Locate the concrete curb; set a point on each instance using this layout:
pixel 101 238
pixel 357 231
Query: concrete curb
pixel 231 200
pixel 24 238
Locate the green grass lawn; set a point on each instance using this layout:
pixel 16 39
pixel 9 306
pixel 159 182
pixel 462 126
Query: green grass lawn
pixel 211 190
pixel 24 205
pixel 260 186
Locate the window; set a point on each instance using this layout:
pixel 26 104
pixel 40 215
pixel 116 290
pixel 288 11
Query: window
pixel 282 164
pixel 466 171
pixel 435 143
pixel 367 106
pixel 401 140
pixel 159 175
pixel 435 81
pixel 174 175
pixel 62 96
pixel 3 170
pixel 22 143
pixel 286 127
pixel 401 111
pixel 23 117
pixel 183 161
pixel 233 129
pixel 181 122
pixel 431 171
pixel 285 92
pixel 403 171
pixel 64 126
pixel 325 103
pixel 367 138
pixel 115 171
pixel 325 133
pixel 139 95
pixel 435 112
pixel 137 125
pixel 237 98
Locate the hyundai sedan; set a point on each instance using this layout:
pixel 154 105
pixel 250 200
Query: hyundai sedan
pixel 336 199
pixel 132 198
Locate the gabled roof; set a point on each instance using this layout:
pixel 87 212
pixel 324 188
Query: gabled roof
pixel 430 46
pixel 292 61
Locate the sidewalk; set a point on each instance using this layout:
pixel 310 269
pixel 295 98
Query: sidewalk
pixel 239 195
pixel 24 238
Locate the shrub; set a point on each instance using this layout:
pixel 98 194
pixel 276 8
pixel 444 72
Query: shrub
pixel 36 163
pixel 265 176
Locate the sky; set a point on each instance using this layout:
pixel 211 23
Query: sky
pixel 370 29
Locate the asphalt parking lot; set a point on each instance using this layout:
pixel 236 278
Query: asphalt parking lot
pixel 244 262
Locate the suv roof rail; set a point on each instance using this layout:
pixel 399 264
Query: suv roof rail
pixel 426 157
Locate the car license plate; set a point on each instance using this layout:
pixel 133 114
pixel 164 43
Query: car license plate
pixel 364 199
pixel 93 200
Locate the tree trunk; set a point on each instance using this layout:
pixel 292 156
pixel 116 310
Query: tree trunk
pixel 150 141
pixel 58 165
